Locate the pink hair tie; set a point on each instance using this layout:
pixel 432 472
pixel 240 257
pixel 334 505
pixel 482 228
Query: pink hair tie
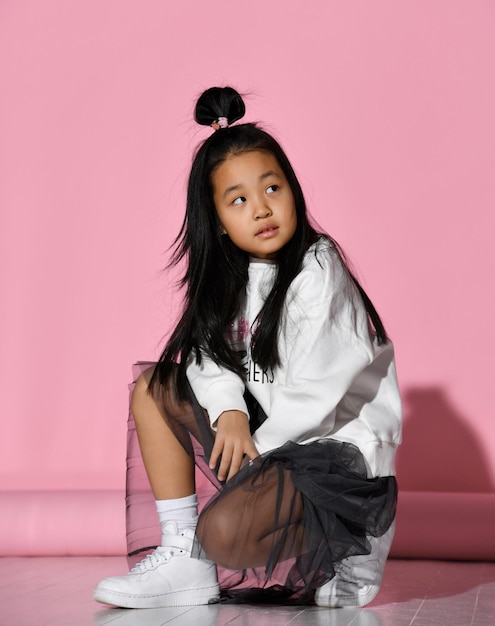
pixel 221 122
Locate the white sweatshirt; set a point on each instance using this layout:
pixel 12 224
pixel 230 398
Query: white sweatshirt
pixel 334 380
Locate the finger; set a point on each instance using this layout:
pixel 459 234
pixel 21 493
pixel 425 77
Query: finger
pixel 224 463
pixel 235 462
pixel 215 453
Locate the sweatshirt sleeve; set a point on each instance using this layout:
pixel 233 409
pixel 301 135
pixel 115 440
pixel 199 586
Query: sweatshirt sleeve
pixel 324 345
pixel 216 388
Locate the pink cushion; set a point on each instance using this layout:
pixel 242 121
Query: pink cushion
pixel 430 525
pixel 62 523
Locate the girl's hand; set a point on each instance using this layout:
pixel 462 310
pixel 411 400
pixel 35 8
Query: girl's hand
pixel 232 442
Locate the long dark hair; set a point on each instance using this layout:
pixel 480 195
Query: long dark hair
pixel 216 270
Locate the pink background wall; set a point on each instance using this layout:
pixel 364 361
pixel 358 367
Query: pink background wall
pixel 384 107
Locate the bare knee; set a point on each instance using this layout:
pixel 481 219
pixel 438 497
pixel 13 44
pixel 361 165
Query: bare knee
pixel 217 535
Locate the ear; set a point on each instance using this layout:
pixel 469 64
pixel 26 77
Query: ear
pixel 222 230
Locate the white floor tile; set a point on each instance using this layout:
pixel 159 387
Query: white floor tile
pixel 58 592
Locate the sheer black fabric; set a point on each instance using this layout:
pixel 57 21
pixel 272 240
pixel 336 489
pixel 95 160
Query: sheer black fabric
pixel 277 528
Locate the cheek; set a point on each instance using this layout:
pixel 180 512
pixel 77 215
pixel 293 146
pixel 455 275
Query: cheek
pixel 220 221
pixel 223 223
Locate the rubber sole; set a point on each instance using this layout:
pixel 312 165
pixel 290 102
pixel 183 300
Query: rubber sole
pixel 185 597
pixel 350 601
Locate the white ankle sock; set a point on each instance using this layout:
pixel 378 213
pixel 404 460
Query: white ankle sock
pixel 182 511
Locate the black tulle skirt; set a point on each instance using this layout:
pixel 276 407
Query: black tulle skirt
pixel 325 508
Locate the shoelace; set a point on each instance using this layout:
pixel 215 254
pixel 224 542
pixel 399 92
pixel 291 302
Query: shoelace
pixel 152 560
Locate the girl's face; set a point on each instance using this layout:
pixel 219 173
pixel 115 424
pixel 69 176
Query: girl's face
pixel 254 203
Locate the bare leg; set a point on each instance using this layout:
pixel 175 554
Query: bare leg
pixel 241 529
pixel 169 576
pixel 169 467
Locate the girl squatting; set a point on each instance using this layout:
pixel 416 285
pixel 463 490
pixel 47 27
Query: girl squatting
pixel 279 383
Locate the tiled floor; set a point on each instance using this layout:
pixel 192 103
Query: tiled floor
pixel 57 591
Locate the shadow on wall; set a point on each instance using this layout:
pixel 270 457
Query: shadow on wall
pixel 440 451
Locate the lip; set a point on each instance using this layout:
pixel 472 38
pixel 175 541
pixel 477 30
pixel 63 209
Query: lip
pixel 267 231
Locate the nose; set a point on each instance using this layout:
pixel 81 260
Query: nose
pixel 261 210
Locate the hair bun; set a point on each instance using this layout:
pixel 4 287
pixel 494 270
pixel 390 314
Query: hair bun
pixel 218 102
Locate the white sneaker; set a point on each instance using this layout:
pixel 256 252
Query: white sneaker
pixel 167 577
pixel 357 579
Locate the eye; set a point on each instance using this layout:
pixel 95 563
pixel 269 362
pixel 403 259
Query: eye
pixel 272 189
pixel 239 200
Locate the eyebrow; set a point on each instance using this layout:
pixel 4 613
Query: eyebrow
pixel 262 177
pixel 268 174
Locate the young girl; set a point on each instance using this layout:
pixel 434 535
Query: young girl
pixel 278 382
